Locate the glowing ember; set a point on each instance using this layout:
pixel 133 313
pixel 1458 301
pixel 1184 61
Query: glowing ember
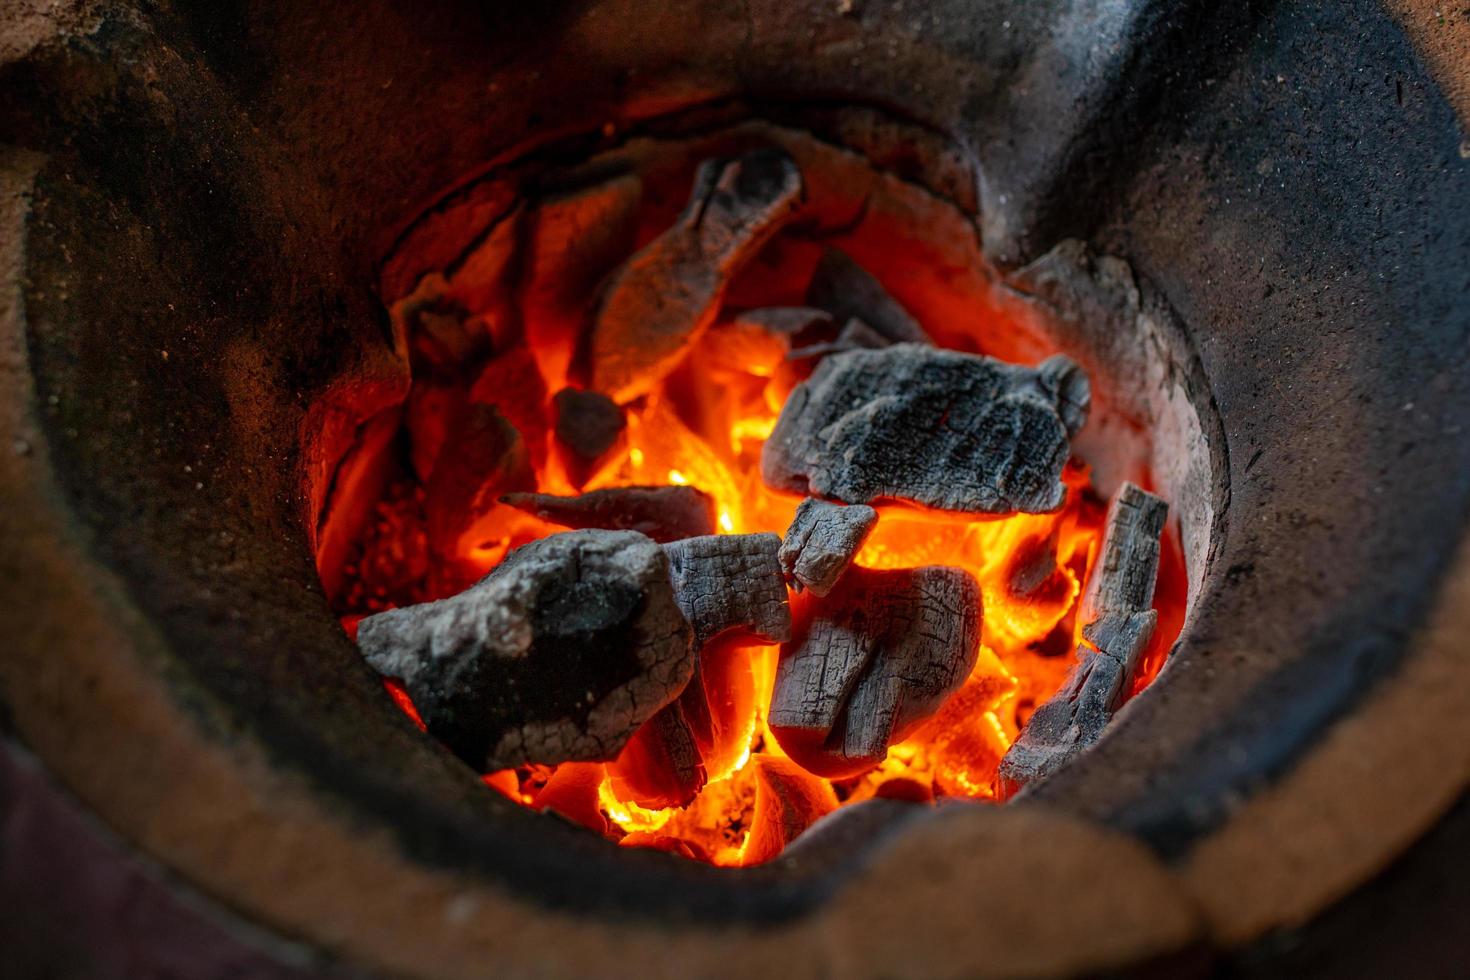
pixel 702 424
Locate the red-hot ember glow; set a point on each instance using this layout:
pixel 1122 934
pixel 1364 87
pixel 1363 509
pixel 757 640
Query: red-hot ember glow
pixel 704 425
pixel 754 800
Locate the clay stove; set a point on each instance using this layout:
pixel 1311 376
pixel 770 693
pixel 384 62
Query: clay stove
pixel 243 248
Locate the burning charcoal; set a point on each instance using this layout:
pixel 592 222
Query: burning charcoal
pixel 512 383
pixel 483 456
pixel 787 802
pixel 868 663
pixel 589 428
pixel 731 582
pixel 949 430
pixel 572 792
pixel 822 541
pixel 1118 624
pixel 572 241
pixel 663 513
pixel 846 290
pixel 661 765
pixel 443 337
pixel 759 340
pixel 558 654
pixel 431 409
pixel 669 292
pixel 855 335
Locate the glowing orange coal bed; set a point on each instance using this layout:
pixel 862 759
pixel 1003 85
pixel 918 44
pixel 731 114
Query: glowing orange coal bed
pixel 704 425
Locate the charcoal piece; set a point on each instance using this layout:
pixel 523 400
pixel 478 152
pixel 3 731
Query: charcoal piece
pixel 661 765
pixel 482 457
pixel 788 800
pixel 846 290
pixel 1117 625
pixel 731 582
pixel 854 335
pixel 559 654
pixel 662 513
pixel 669 292
pixel 589 428
pixel 444 339
pixel 948 430
pixel 760 340
pixel 822 541
pixel 512 383
pixel 869 662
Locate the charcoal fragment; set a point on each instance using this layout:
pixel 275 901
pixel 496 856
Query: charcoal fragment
pixel 589 427
pixel 822 541
pixel 847 290
pixel 662 513
pixel 1118 623
pixel 557 655
pixel 870 661
pixel 669 292
pixel 731 582
pixel 945 429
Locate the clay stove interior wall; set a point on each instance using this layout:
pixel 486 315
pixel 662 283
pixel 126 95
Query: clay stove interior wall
pixel 200 266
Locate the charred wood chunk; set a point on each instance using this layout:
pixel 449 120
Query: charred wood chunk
pixel 573 240
pixel 1117 625
pixel 444 339
pixel 589 428
pixel 846 290
pixel 787 802
pixel 669 292
pixel 726 582
pixel 822 541
pixel 662 513
pixel 661 765
pixel 559 654
pixel 482 457
pixel 513 384
pixel 854 335
pixel 760 340
pixel 869 662
pixel 949 430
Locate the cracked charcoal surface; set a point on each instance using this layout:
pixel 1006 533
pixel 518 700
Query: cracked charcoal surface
pixel 847 291
pixel 822 541
pixel 559 654
pixel 669 292
pixel 872 660
pixel 731 582
pixel 854 335
pixel 945 429
pixel 1118 622
pixel 662 513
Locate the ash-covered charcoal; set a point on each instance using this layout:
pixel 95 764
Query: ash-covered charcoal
pixel 847 290
pixel 949 430
pixel 669 292
pixel 869 662
pixel 731 582
pixel 1118 623
pixel 559 654
pixel 589 428
pixel 482 457
pixel 662 513
pixel 822 541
